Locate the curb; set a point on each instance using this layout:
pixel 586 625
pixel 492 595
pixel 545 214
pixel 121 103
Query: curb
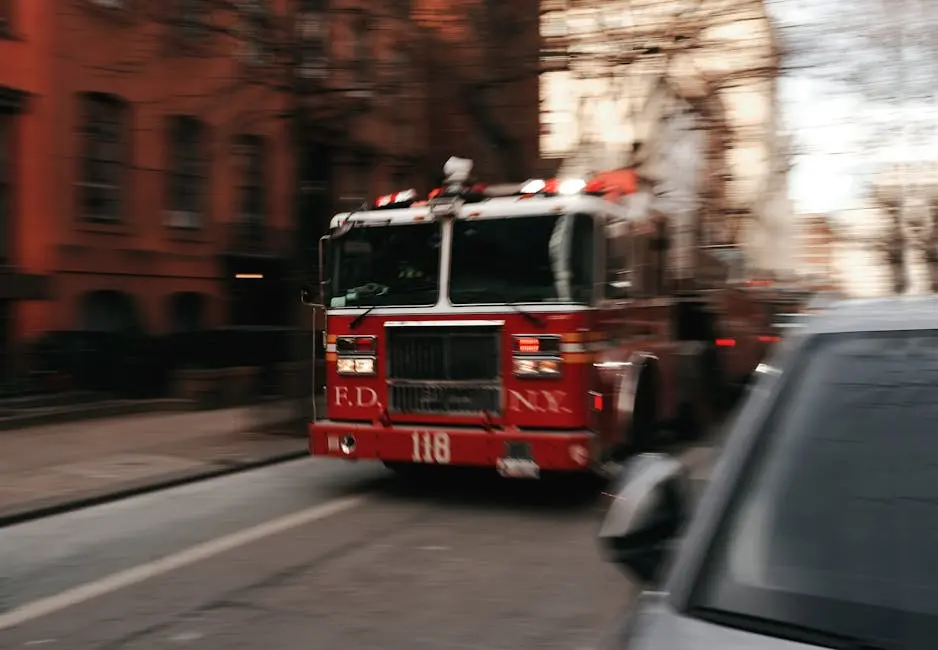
pixel 48 508
pixel 98 411
pixel 93 411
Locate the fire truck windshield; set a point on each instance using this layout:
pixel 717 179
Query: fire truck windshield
pixel 522 259
pixel 386 265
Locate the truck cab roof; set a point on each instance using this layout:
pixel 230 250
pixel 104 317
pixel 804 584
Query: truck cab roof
pixel 490 208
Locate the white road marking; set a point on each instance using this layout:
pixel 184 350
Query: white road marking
pixel 193 555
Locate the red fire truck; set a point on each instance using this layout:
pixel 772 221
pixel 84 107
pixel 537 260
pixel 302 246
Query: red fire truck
pixel 535 327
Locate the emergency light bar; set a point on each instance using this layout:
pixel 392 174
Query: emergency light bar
pixel 561 187
pixel 456 190
pixel 396 200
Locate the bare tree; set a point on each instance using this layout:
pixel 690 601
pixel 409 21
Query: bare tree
pixel 889 78
pixel 708 50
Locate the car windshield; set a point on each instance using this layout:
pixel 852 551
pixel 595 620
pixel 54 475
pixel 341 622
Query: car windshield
pixel 522 259
pixel 837 526
pixel 386 265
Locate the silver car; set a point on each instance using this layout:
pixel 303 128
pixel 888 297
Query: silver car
pixel 819 525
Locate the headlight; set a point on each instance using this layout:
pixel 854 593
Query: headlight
pixel 540 368
pixel 356 366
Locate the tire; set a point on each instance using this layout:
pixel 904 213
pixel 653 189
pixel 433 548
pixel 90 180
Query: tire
pixel 409 471
pixel 641 437
pixel 713 381
pixel 688 424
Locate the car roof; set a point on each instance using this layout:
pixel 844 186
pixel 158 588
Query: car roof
pixel 876 315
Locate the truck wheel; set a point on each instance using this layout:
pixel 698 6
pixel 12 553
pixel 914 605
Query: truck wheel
pixel 690 417
pixel 714 383
pixel 689 427
pixel 641 437
pixel 409 471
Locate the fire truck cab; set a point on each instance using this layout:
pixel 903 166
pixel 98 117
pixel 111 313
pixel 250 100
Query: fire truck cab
pixel 529 328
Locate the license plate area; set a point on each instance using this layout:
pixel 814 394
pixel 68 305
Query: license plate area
pixel 517 462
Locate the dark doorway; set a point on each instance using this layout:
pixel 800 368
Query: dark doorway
pixel 258 298
pixel 187 311
pixel 109 311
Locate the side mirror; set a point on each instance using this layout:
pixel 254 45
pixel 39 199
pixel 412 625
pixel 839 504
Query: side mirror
pixel 308 296
pixel 620 285
pixel 650 504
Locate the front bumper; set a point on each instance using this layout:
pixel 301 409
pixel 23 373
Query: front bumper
pixel 570 451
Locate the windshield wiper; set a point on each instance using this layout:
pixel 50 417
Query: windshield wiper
pixel 531 318
pixel 358 319
pixel 786 630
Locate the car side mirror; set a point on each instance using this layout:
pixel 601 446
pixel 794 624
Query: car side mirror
pixel 650 505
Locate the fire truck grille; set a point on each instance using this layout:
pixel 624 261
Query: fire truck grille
pixel 444 369
pixel 432 397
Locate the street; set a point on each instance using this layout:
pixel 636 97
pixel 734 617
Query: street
pixel 318 554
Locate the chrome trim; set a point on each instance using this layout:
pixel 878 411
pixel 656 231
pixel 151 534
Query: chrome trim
pixel 434 395
pixel 444 323
pixel 357 354
pixel 482 309
pixel 539 337
pixel 412 396
pixel 374 366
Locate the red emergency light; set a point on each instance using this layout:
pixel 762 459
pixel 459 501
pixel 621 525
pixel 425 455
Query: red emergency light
pixel 396 200
pixel 528 344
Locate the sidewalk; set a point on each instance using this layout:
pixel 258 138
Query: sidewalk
pixel 47 469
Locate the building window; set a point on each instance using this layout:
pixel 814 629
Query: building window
pixel 312 38
pixel 398 67
pixel 6 157
pixel 253 197
pixel 361 47
pixel 193 19
pixel 255 19
pixel 6 18
pixel 361 180
pixel 187 171
pixel 104 159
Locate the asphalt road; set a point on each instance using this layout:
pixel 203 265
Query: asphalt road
pixel 317 554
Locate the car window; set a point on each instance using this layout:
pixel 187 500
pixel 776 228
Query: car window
pixel 836 526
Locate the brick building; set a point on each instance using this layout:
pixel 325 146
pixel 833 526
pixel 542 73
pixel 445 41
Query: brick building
pixel 146 158
pixel 363 95
pixel 484 84
pixel 166 167
pixel 24 115
pixel 155 178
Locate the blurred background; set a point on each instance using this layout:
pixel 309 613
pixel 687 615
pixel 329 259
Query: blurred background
pixel 167 167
